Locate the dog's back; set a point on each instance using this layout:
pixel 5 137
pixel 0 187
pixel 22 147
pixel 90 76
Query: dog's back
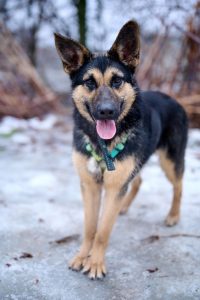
pixel 168 123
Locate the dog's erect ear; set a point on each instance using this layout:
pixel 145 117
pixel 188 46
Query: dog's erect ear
pixel 126 47
pixel 72 54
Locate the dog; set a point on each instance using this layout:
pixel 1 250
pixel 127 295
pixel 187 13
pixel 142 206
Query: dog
pixel 116 129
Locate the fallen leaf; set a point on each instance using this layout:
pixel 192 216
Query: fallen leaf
pixel 15 258
pixel 8 265
pixel 51 200
pixel 40 220
pixel 151 239
pixel 26 255
pixel 66 239
pixel 152 270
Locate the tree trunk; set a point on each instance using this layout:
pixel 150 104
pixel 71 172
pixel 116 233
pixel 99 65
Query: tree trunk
pixel 81 11
pixel 32 46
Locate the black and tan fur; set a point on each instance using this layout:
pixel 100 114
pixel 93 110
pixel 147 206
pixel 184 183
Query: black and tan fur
pixel 152 120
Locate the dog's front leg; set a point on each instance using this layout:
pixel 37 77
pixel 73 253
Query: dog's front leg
pixel 114 184
pixel 91 192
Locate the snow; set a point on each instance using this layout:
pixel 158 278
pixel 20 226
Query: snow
pixel 43 180
pixel 9 124
pixel 44 124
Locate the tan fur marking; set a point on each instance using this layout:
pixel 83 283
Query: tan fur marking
pixel 128 94
pixel 102 78
pixel 109 73
pixel 96 73
pixel 169 169
pixel 116 179
pixel 91 192
pixel 167 165
pixel 80 94
pixel 174 213
pixel 135 185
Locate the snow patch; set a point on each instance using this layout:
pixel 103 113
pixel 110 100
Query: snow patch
pixel 9 124
pixel 43 180
pixel 20 138
pixel 45 124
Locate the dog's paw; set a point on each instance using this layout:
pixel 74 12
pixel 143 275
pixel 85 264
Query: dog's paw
pixel 94 269
pixel 172 220
pixel 77 263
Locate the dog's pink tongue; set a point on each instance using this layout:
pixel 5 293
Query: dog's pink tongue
pixel 106 129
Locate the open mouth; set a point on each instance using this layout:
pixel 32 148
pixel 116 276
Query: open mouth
pixel 106 129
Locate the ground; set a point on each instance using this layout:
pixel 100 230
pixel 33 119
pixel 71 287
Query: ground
pixel 40 204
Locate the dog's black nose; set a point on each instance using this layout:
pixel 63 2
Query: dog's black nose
pixel 106 111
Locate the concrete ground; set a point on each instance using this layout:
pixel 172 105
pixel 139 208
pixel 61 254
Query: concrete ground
pixel 40 204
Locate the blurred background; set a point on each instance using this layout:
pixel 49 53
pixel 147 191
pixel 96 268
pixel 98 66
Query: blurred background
pixel 32 81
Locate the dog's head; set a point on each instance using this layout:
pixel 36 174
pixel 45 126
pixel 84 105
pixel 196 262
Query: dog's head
pixel 103 90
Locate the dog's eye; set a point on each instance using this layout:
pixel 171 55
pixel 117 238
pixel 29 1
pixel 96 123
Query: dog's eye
pixel 116 82
pixel 90 84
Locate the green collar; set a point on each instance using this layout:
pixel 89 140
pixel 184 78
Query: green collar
pixel 108 156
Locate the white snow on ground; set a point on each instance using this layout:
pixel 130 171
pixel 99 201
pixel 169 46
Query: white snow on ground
pixel 9 124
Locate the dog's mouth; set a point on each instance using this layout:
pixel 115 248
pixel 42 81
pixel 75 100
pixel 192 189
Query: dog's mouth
pixel 106 129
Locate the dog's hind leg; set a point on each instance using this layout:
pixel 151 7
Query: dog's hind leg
pixel 175 177
pixel 135 185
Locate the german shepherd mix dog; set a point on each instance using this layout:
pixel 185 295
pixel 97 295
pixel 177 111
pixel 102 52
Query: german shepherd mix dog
pixel 117 128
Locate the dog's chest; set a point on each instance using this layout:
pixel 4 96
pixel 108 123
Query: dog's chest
pixel 95 169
